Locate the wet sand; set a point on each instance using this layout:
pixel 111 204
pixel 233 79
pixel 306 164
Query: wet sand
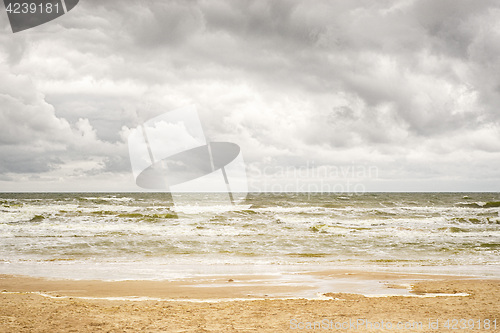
pixel 250 304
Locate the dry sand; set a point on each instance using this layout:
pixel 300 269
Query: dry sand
pixel 208 305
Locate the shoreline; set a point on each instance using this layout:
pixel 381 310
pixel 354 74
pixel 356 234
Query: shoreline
pixel 41 305
pixel 298 285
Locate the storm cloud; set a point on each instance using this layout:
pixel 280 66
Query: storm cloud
pixel 408 87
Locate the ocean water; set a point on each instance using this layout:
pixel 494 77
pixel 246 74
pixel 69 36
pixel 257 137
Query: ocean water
pixel 114 236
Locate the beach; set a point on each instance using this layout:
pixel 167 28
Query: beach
pixel 48 305
pixel 130 262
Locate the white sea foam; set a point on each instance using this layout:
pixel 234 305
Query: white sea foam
pixel 387 230
pixel 217 209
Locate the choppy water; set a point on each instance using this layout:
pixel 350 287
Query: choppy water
pixel 141 235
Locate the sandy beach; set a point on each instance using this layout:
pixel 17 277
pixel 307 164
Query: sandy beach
pixel 420 303
pixel 94 262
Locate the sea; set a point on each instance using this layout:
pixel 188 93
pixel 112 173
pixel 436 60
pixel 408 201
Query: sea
pixel 123 236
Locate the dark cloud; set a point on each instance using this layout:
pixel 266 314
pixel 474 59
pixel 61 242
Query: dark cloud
pixel 19 160
pixel 386 82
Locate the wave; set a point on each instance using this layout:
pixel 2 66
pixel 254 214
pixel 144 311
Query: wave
pixel 453 229
pixel 490 245
pixel 308 255
pixel 476 220
pixel 148 216
pixel 37 218
pixel 217 209
pixel 489 204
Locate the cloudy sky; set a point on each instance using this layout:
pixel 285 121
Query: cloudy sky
pixel 378 95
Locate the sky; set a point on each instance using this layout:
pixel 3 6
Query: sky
pixel 341 96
